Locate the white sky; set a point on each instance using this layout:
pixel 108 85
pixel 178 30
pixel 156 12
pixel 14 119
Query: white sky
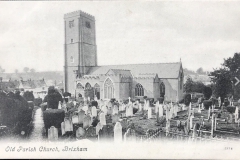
pixel 200 33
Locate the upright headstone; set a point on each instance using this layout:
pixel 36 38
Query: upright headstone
pixel 115 109
pixel 130 136
pixel 102 119
pixel 59 105
pixel 156 106
pixel 110 111
pixel 63 128
pixel 199 108
pixel 202 106
pixel 81 115
pixel 104 109
pixel 149 112
pixel 75 119
pixel 130 110
pixel 140 108
pixel 219 101
pixel 94 111
pixel 118 132
pixel 236 114
pixel 191 121
pixel 209 112
pixel 167 126
pixel 52 133
pixel 160 110
pixel 98 127
pixel 212 127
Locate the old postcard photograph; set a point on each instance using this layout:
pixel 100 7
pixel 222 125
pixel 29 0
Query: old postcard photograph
pixel 120 79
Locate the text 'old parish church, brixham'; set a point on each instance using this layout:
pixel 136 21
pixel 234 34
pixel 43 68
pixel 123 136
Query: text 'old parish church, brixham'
pixel 83 76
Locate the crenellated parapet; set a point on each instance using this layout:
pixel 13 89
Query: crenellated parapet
pixel 79 13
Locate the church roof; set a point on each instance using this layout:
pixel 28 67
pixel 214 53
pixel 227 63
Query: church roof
pixel 164 70
pixel 125 73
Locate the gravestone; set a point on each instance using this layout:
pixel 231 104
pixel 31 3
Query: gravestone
pixel 160 110
pixel 87 121
pixel 80 132
pixel 98 127
pixel 115 110
pixel 109 111
pixel 81 115
pixel 75 119
pixel 236 114
pixel 104 109
pixel 118 132
pixel 230 118
pixel 115 118
pixel 102 118
pixel 149 112
pixel 194 134
pixel 168 126
pixel 156 106
pixel 59 105
pixel 130 135
pixel 68 125
pixel 191 121
pixel 63 128
pixel 130 110
pixel 140 108
pixel 94 111
pixel 52 133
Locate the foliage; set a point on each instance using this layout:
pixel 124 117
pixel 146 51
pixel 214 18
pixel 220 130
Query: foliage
pixel 231 109
pixel 28 96
pixel 207 104
pixel 52 98
pixel 2 70
pixel 200 70
pixel 25 69
pixel 191 86
pixel 207 91
pixel 32 70
pixel 187 99
pixel 53 117
pixel 224 77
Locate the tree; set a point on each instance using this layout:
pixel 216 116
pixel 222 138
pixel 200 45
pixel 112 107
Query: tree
pixel 32 70
pixel 188 85
pixel 2 70
pixel 224 77
pixel 200 70
pixel 16 71
pixel 207 91
pixel 25 69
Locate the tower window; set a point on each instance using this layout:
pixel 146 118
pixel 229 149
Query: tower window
pixel 71 24
pixel 88 25
pixel 72 59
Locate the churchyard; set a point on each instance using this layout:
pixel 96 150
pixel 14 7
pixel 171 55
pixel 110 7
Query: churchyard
pixel 139 122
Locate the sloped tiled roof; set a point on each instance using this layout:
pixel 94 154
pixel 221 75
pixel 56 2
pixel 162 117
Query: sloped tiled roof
pixel 39 83
pixel 122 72
pixel 164 70
pixel 33 84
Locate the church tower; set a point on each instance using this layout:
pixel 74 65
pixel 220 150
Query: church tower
pixel 80 50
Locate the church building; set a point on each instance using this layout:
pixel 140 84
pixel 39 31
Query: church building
pixel 83 76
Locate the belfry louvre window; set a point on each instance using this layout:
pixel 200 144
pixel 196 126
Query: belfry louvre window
pixel 71 24
pixel 71 59
pixel 139 91
pixel 88 25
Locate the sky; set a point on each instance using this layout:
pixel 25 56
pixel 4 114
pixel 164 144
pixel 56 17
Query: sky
pixel 202 34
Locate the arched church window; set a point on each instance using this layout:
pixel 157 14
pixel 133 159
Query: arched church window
pixel 71 59
pixel 80 86
pixel 88 86
pixel 108 89
pixel 97 91
pixel 139 91
pixel 162 89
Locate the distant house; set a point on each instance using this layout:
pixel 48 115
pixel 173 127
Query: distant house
pixel 7 85
pixel 38 87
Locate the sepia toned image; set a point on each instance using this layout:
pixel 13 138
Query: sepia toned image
pixel 120 79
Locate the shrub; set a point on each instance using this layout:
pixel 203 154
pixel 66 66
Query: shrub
pixel 207 91
pixel 231 109
pixel 94 103
pixel 226 102
pixel 37 101
pixel 187 99
pixel 53 117
pixel 52 98
pixel 161 99
pixel 28 96
pixel 207 104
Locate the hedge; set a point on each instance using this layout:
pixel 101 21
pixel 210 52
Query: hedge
pixel 207 104
pixel 53 117
pixel 187 99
